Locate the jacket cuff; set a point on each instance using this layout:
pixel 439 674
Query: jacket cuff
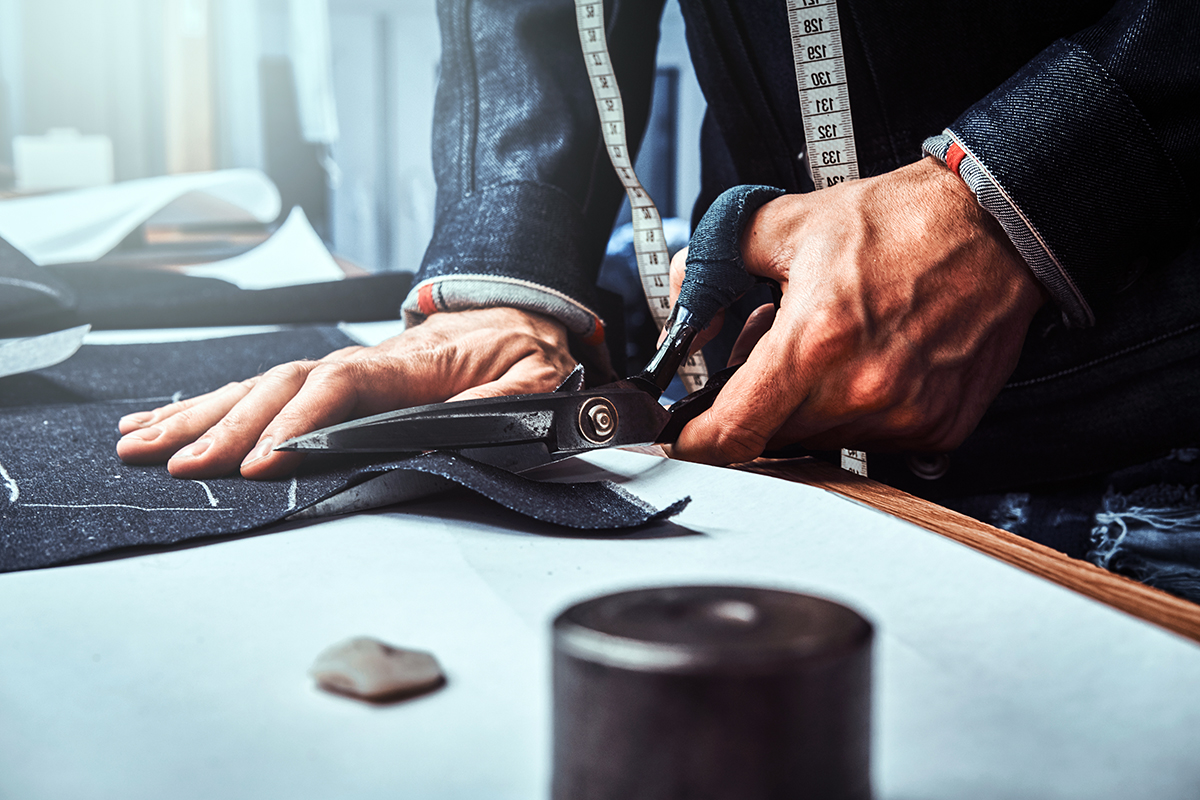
pixel 1024 236
pixel 531 233
pixel 1063 154
pixel 464 292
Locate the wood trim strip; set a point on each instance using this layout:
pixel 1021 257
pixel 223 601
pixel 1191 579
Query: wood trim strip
pixel 1141 601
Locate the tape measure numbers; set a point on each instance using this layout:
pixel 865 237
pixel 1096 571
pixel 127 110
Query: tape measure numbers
pixel 649 243
pixel 824 97
pixel 830 157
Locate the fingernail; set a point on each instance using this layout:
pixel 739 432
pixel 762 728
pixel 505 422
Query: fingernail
pixel 197 448
pixel 141 418
pixel 261 451
pixel 144 434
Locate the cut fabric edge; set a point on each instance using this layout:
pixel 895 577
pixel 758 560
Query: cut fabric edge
pixel 596 505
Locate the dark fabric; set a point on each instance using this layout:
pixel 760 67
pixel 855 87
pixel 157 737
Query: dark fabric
pixel 26 290
pixel 585 506
pixel 1066 132
pixel 114 298
pixel 64 495
pixel 154 373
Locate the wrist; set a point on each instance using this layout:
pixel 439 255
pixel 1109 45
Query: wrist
pixel 1054 282
pixel 961 203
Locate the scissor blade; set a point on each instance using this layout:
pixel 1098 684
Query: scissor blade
pixel 563 421
pixel 444 426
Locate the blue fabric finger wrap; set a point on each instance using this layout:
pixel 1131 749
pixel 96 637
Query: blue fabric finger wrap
pixel 716 275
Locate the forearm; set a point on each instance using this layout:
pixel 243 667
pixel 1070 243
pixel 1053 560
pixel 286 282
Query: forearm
pixel 526 194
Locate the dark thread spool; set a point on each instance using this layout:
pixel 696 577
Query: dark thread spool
pixel 714 692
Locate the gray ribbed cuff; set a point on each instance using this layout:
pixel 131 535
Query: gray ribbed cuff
pixel 1045 266
pixel 465 292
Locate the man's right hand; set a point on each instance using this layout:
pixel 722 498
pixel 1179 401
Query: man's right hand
pixel 451 356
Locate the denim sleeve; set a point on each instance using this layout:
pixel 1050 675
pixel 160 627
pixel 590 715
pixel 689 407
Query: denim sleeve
pixel 526 194
pixel 1090 155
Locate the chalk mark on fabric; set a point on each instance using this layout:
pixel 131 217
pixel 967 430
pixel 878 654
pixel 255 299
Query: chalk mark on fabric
pixel 37 287
pixel 292 495
pixel 212 498
pixel 175 398
pixel 120 505
pixel 13 491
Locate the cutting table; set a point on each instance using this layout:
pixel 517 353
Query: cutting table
pixel 183 673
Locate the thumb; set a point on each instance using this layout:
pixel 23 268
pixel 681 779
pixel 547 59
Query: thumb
pixel 755 403
pixel 765 238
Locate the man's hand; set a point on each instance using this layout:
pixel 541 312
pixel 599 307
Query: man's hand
pixel 452 355
pixel 904 311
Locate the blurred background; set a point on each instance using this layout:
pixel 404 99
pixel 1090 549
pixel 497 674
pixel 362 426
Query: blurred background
pixel 332 99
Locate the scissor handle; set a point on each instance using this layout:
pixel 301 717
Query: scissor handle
pixel 716 276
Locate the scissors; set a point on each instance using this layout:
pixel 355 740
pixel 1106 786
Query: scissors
pixel 522 431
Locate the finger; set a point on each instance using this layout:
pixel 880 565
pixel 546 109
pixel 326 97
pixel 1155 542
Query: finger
pixel 171 427
pixel 678 269
pixel 757 325
pixel 753 405
pixel 705 336
pixel 144 419
pixel 526 377
pixel 345 353
pixel 931 423
pixel 767 235
pixel 330 394
pixel 336 391
pixel 223 447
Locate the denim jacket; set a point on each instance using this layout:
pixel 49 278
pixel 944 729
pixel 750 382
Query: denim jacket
pixel 1077 123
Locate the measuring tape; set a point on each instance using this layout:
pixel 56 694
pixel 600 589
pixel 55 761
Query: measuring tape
pixel 824 99
pixel 831 157
pixel 649 243
pixel 828 129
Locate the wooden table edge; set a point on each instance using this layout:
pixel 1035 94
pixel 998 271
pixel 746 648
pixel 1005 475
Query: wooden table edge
pixel 1144 602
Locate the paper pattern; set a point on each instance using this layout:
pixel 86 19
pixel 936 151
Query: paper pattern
pixel 84 224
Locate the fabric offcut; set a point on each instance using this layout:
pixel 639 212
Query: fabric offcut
pixel 36 300
pixel 28 292
pixel 64 494
pixel 117 298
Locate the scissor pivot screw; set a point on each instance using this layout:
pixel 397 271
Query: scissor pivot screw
pixel 598 420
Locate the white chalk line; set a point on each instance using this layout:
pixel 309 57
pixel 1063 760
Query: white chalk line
pixel 175 398
pixel 292 495
pixel 13 491
pixel 37 287
pixel 212 498
pixel 119 505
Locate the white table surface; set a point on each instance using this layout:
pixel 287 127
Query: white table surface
pixel 183 674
